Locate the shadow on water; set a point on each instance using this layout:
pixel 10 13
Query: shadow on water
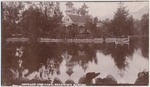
pixel 74 54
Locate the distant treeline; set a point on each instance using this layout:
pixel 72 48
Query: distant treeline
pixel 44 19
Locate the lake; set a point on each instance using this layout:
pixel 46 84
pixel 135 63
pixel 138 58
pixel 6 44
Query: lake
pixel 72 60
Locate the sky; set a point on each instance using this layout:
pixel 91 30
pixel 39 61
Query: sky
pixel 100 9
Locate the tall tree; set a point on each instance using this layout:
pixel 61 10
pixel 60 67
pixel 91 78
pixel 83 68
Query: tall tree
pixel 122 23
pixel 31 22
pixel 145 24
pixel 91 26
pixel 83 10
pixel 137 27
pixel 94 27
pixel 43 19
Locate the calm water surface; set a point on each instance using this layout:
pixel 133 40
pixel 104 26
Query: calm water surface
pixel 123 61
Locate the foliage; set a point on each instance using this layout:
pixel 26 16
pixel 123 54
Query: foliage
pixel 106 29
pixel 83 10
pixel 122 23
pixel 11 15
pixel 141 27
pixel 142 78
pixel 44 19
pixel 91 26
pixel 137 27
pixel 145 24
pixel 37 19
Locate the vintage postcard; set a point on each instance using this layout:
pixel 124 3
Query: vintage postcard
pixel 75 43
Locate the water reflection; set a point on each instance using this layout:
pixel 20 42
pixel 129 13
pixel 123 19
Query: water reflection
pixel 68 62
pixel 144 47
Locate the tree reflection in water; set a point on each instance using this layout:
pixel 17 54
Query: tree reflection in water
pixel 144 47
pixel 81 54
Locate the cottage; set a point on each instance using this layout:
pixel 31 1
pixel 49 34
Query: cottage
pixel 78 17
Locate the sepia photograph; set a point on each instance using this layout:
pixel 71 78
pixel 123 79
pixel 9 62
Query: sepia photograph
pixel 75 43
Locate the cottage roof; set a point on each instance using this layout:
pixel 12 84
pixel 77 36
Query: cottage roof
pixel 79 19
pixel 69 3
